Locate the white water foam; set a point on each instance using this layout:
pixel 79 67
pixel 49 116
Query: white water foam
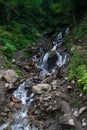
pixel 44 62
pixel 20 117
pixel 54 48
pixel 61 60
pixel 2 127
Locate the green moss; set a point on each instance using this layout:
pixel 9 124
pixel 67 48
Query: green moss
pixel 8 63
pixel 52 53
pixel 19 73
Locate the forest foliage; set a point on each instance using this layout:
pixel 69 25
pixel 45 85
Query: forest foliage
pixel 22 22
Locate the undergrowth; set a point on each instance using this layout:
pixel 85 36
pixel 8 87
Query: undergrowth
pixel 78 64
pixel 15 37
pixel 81 28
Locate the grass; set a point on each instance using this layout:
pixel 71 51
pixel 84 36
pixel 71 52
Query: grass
pixel 19 73
pixel 8 63
pixel 78 69
pixel 78 64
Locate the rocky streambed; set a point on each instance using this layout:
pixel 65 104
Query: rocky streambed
pixel 43 100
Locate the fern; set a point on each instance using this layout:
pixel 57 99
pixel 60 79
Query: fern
pixel 8 50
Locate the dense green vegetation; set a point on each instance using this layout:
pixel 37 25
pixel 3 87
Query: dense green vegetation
pixel 22 23
pixel 77 45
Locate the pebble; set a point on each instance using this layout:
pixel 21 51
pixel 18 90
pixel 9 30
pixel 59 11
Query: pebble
pixel 82 110
pixel 54 87
pixel 69 87
pixel 81 94
pixel 73 82
pixel 26 67
pixel 6 109
pixel 6 85
pixel 15 99
pixel 66 78
pixel 18 105
pixel 11 104
pixel 76 112
pixel 54 82
pixel 13 61
pixel 84 123
pixel 3 114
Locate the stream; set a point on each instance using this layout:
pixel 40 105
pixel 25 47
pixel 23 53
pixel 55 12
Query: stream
pixel 48 63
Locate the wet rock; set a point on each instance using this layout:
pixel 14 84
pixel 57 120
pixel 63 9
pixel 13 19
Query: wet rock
pixel 52 59
pixel 6 109
pixel 1 73
pixel 11 104
pixel 11 86
pixel 18 105
pixel 50 125
pixel 41 88
pixel 67 121
pixel 3 114
pixel 10 115
pixel 54 87
pixel 7 85
pixel 69 88
pixel 10 76
pixel 67 109
pixel 54 82
pixel 15 99
pixel 84 123
pixel 76 112
pixel 26 67
pixel 82 110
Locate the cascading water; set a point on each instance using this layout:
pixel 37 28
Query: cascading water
pixel 20 118
pixel 61 57
pixel 61 60
pixel 44 65
pixel 2 127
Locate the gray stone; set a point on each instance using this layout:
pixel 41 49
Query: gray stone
pixel 73 81
pixel 10 76
pixel 69 88
pixel 67 121
pixel 82 110
pixel 76 112
pixel 13 61
pixel 41 88
pixel 84 123
pixel 66 78
pixel 7 85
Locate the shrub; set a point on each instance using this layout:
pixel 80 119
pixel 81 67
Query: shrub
pixel 8 50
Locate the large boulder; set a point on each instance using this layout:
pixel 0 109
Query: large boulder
pixel 41 88
pixel 67 121
pixel 10 76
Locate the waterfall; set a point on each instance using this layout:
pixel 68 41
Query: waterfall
pixel 62 58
